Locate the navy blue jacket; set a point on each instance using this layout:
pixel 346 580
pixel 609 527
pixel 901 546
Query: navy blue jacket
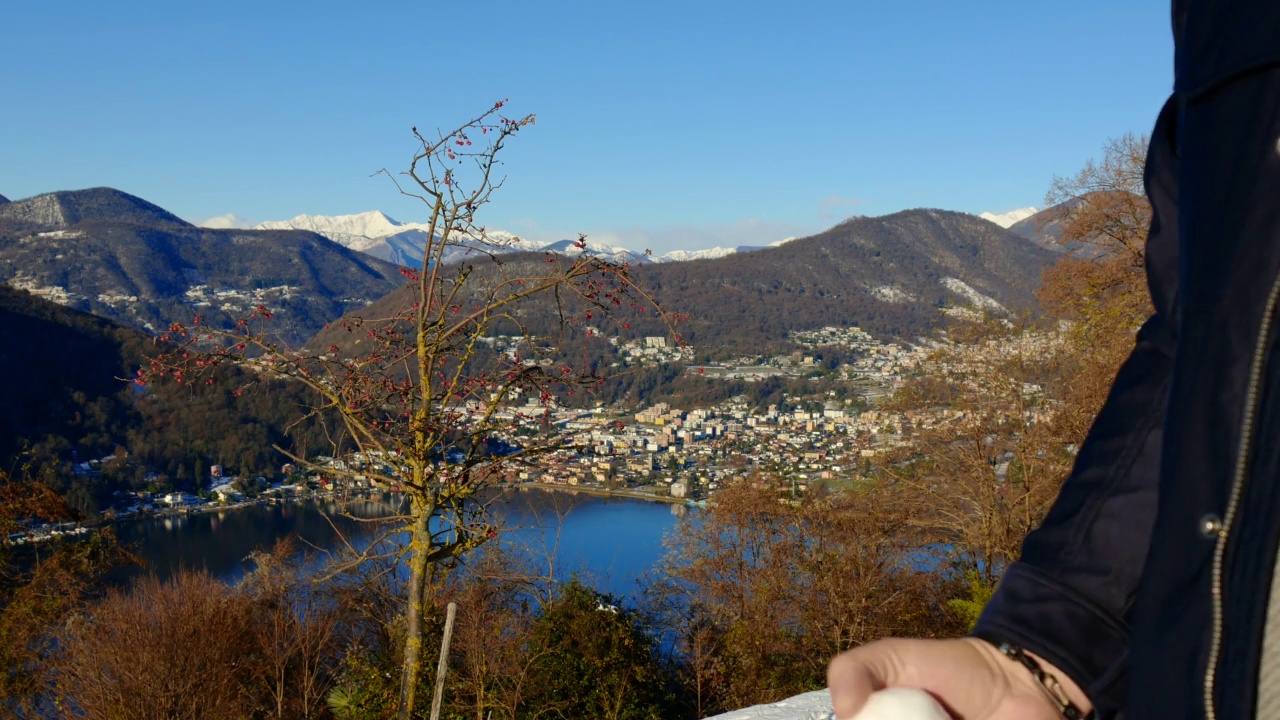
pixel 1148 581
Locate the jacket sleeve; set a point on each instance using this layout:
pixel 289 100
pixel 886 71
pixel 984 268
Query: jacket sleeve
pixel 1068 596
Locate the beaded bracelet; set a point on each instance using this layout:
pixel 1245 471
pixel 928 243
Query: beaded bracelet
pixel 1048 683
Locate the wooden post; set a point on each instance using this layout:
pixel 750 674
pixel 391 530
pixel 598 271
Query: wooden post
pixel 443 667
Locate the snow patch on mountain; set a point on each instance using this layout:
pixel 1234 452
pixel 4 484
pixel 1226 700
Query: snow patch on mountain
pixel 370 232
pixel 1007 220
pixel 891 294
pixel 403 243
pixel 605 251
pixel 685 255
pixel 974 298
pixel 63 234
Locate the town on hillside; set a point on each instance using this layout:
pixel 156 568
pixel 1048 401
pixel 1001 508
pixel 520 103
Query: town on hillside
pixel 661 452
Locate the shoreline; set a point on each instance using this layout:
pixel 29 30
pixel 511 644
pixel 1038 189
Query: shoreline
pixel 101 522
pixel 601 492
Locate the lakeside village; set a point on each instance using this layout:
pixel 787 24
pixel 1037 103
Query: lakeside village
pixel 660 453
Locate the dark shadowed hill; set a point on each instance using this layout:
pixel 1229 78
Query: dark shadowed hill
pixel 3 200
pixel 56 363
pixel 67 396
pixel 891 275
pixel 115 255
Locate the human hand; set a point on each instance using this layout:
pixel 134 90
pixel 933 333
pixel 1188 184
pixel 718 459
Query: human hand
pixel 968 676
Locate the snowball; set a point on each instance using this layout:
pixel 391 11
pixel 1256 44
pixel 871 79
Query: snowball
pixel 902 704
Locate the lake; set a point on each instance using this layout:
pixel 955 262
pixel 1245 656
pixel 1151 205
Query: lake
pixel 611 541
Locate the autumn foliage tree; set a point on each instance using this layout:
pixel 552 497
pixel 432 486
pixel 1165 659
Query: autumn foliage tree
pixel 984 469
pixel 1101 292
pixel 417 399
pixel 763 589
pixel 1008 403
pixel 194 646
pixel 41 588
pixel 162 650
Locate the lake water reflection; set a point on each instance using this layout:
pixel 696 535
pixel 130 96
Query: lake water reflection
pixel 610 540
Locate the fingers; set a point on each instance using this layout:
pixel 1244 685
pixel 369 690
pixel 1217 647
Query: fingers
pixel 854 675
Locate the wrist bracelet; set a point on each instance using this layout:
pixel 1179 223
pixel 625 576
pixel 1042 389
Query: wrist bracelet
pixel 1053 689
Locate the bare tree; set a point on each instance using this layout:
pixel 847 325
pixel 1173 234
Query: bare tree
pixel 294 631
pixel 1104 205
pixel 424 397
pixel 990 460
pixel 1103 297
pixel 163 650
pixel 1005 406
pixel 764 589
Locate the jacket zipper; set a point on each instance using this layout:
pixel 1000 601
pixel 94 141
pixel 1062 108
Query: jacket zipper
pixel 1237 492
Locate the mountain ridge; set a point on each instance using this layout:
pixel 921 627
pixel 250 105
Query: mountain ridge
pixel 1011 218
pixel 144 267
pixel 376 233
pixel 890 275
pixel 64 208
pixel 1046 227
pixel 123 258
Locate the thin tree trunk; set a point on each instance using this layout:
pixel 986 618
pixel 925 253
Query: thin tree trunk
pixel 443 667
pixel 420 548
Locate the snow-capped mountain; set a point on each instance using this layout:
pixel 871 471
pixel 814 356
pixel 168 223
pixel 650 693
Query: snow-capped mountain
pixel 1008 219
pixel 403 243
pixel 373 224
pixel 709 253
pixel 370 232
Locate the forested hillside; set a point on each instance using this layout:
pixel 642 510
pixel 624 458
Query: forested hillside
pixel 67 399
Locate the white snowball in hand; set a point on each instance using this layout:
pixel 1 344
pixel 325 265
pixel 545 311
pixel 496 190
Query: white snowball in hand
pixel 901 704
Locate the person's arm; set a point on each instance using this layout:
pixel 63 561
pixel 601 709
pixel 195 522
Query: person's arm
pixel 1068 596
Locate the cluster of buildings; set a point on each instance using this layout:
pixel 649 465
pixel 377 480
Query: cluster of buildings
pixel 669 452
pixel 687 453
pixel 222 491
pixel 32 532
pixel 234 301
pixel 52 293
pixel 887 363
pixel 664 451
pixel 653 350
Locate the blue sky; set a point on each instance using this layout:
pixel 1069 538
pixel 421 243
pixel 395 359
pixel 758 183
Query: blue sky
pixel 660 124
